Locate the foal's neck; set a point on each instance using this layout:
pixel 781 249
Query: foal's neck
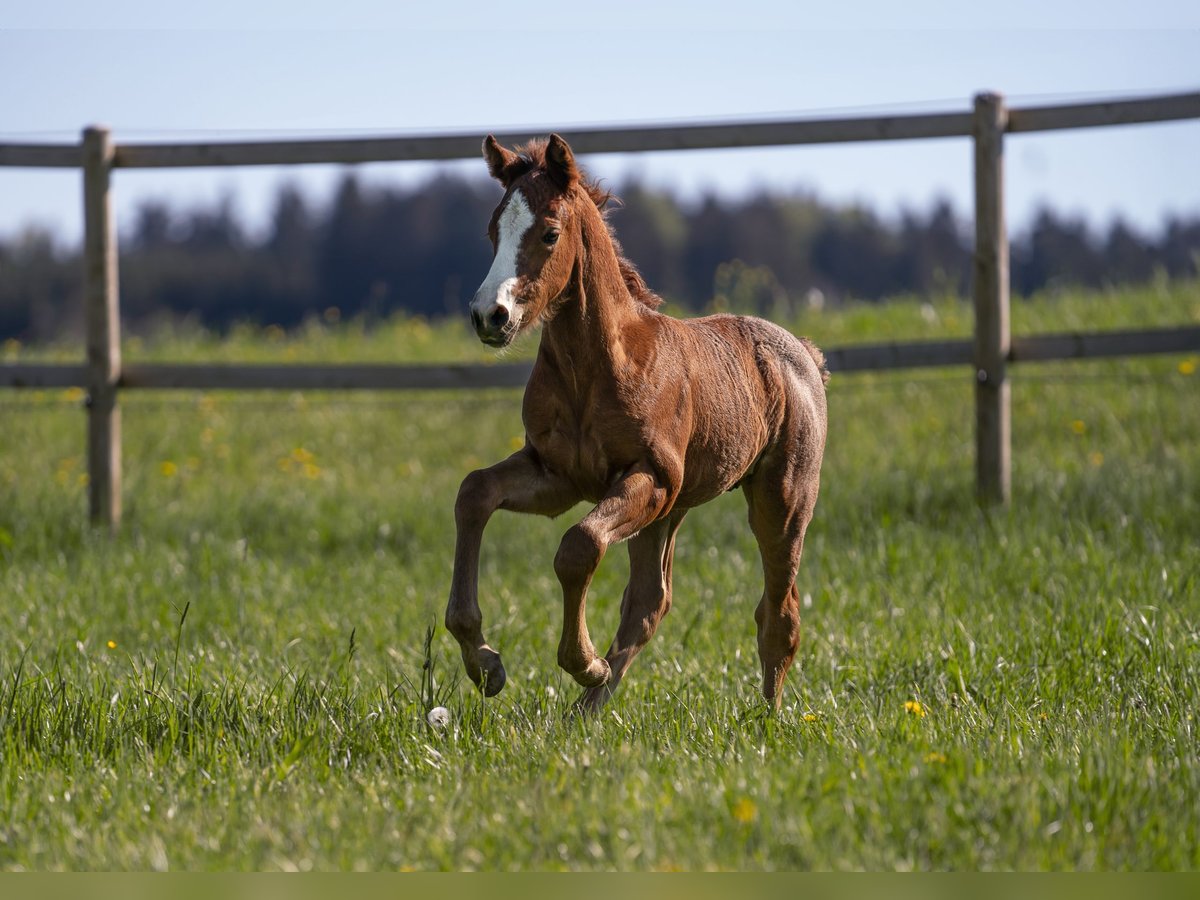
pixel 587 329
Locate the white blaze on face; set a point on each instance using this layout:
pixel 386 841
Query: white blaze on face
pixel 502 278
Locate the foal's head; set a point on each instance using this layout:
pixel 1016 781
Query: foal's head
pixel 536 233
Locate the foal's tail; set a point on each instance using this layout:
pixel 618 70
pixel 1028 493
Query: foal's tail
pixel 818 357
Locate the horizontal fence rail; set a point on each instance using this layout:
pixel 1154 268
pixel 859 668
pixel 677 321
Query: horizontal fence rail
pixel 43 375
pixel 626 139
pixel 1139 111
pixel 325 377
pixel 42 156
pixel 389 377
pixel 613 140
pixel 1101 344
pixel 988 353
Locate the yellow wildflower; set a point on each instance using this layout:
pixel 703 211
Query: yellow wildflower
pixel 1078 427
pixel 112 645
pixel 168 468
pixel 935 757
pixel 1187 367
pixel 810 717
pixel 745 811
pixel 915 708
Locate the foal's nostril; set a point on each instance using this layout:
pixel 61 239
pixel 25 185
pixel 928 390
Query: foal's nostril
pixel 498 317
pixel 476 319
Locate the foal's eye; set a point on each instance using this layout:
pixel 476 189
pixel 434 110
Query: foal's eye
pixel 550 238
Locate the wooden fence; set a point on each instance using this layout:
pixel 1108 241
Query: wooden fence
pixel 988 354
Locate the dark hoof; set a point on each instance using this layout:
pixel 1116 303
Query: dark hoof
pixel 493 679
pixel 485 669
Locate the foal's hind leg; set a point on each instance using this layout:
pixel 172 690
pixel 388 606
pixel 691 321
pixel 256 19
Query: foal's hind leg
pixel 781 497
pixel 646 601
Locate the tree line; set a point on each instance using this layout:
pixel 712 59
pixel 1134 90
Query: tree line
pixel 375 250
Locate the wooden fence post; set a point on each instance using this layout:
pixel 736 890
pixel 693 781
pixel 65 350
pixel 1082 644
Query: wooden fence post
pixel 103 331
pixel 993 413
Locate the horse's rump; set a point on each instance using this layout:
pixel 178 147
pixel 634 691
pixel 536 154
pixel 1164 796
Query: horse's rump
pixel 818 357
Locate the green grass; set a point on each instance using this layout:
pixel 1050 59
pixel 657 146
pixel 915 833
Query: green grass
pixel 262 703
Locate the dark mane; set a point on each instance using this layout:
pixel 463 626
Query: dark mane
pixel 533 155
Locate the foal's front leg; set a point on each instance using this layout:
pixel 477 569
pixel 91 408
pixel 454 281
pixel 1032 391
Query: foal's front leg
pixel 521 484
pixel 635 501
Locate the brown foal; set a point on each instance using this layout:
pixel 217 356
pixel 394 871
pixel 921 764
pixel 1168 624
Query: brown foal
pixel 644 415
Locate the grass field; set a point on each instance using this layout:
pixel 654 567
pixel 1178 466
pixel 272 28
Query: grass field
pixel 240 678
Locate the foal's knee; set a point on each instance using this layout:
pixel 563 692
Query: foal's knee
pixel 577 556
pixel 474 497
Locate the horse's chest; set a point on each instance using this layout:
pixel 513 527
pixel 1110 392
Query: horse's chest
pixel 583 446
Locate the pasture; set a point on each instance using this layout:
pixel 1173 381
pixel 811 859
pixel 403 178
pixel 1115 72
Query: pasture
pixel 240 678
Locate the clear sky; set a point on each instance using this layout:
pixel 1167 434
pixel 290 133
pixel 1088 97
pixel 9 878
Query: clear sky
pixel 236 70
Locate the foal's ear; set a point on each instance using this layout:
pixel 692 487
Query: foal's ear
pixel 502 164
pixel 560 163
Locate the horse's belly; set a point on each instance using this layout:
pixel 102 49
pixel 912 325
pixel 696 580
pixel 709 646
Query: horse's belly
pixel 710 472
pixel 718 452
